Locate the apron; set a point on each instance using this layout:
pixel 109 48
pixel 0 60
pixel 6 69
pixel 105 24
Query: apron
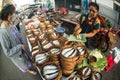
pixel 87 27
pixel 18 38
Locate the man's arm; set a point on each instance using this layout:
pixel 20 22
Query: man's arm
pixel 91 34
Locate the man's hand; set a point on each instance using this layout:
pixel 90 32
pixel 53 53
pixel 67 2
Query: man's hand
pixel 77 26
pixel 81 36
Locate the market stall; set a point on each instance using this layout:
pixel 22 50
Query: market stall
pixel 60 57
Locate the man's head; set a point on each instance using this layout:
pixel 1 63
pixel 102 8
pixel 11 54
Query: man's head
pixel 93 9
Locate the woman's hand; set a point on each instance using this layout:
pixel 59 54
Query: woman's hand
pixel 23 47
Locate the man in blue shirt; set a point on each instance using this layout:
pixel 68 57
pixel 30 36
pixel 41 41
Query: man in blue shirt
pixel 89 23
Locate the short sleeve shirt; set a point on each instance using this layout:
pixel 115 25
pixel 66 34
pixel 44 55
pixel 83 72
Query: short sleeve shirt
pixel 89 25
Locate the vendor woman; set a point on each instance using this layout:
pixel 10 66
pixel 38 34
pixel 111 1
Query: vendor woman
pixel 89 23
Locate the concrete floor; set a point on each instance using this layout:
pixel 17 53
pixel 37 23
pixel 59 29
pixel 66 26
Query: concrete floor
pixel 10 72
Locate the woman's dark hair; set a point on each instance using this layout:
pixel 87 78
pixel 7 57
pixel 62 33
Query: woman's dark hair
pixel 95 5
pixel 7 10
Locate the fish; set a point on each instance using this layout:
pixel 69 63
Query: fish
pixel 31 39
pixel 69 53
pixel 74 54
pixel 55 50
pixel 41 61
pixel 34 52
pixel 39 57
pixel 50 71
pixel 56 42
pixel 52 76
pixel 65 50
pixel 50 67
pixel 86 71
pixel 77 78
pixel 30 35
pixel 80 49
pixel 47 46
pixel 54 34
pixel 96 76
pixel 36 47
pixel 83 52
pixel 43 42
pixel 41 36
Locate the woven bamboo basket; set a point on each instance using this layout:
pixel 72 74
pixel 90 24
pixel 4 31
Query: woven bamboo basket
pixel 68 64
pixel 54 55
pixel 54 36
pixel 63 40
pixel 28 31
pixel 56 43
pixel 50 31
pixel 41 37
pixel 46 46
pixel 96 75
pixel 34 53
pixel 30 36
pixel 42 26
pixel 111 37
pixel 36 33
pixel 59 76
pixel 81 57
pixel 85 72
pixel 46 58
pixel 73 78
pixel 47 23
pixel 33 41
pixel 49 27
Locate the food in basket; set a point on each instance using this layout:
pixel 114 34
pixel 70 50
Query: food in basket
pixel 49 26
pixel 55 50
pixel 70 52
pixel 35 47
pixel 81 50
pixel 28 31
pixel 42 26
pixel 32 40
pixel 74 53
pixel 36 33
pixel 44 41
pixel 54 36
pixel 47 45
pixel 32 27
pixel 50 72
pixel 76 77
pixel 85 72
pixel 56 42
pixel 47 23
pixel 34 30
pixel 65 52
pixel 35 52
pixel 50 31
pixel 30 35
pixel 41 36
pixel 40 58
pixel 96 76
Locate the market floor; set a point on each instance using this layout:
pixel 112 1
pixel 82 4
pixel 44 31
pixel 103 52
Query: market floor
pixel 10 72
